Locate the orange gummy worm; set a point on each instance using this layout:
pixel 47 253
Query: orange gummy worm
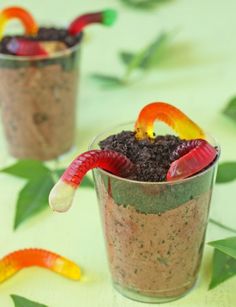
pixel 18 260
pixel 169 114
pixel 30 25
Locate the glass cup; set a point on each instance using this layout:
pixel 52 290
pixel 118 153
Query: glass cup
pixel 38 103
pixel 154 231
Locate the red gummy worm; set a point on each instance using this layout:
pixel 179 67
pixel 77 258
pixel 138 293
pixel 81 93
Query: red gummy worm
pixel 109 160
pixel 18 260
pixel 80 22
pixel 23 47
pixel 62 194
pixel 192 157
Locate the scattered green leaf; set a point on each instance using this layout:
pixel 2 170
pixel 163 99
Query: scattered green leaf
pixel 230 109
pixel 224 260
pixel 149 56
pixel 87 182
pixel 223 268
pixel 33 198
pixel 143 4
pixel 126 57
pixel 28 169
pixel 21 301
pixel 106 80
pixel 226 172
pixel 226 246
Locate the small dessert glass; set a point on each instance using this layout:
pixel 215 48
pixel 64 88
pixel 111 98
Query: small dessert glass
pixel 38 103
pixel 154 231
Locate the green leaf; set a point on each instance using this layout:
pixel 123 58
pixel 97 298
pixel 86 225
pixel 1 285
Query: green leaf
pixel 224 267
pixel 86 182
pixel 148 56
pixel 230 109
pixel 227 246
pixel 143 4
pixel 21 301
pixel 126 57
pixel 156 50
pixel 107 80
pixel 33 198
pixel 28 169
pixel 224 260
pixel 226 172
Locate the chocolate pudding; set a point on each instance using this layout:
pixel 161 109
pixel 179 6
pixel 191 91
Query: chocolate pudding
pixel 154 229
pixel 38 96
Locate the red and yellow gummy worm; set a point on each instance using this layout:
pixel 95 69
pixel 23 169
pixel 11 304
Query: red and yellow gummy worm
pixel 173 117
pixel 20 259
pixel 30 25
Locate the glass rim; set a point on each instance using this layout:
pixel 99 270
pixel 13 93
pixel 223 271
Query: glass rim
pixel 178 181
pixel 58 54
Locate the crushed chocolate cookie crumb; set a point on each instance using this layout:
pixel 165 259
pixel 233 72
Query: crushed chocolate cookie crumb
pixel 44 34
pixel 151 157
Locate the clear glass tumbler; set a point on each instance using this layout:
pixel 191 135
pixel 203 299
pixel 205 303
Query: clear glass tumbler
pixel 154 231
pixel 38 103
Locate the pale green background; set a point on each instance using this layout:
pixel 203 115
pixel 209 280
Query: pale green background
pixel 199 77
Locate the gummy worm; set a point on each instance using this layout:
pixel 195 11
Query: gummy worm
pixel 20 259
pixel 30 25
pixel 169 114
pixel 106 17
pixel 62 194
pixel 192 157
pixel 23 47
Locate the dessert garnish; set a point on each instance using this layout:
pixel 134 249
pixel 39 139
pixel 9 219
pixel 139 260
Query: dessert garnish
pixel 192 155
pixel 190 158
pixel 24 47
pixel 29 23
pixel 30 46
pixel 106 17
pixel 173 117
pixel 24 258
pixel 62 194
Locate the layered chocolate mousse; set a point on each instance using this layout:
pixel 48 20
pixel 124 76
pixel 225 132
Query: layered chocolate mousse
pixel 38 94
pixel 154 229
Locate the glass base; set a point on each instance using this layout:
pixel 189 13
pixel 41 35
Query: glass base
pixel 136 296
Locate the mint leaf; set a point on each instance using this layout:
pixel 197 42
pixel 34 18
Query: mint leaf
pixel 86 182
pixel 224 260
pixel 155 51
pixel 227 246
pixel 230 109
pixel 126 57
pixel 145 59
pixel 226 172
pixel 224 267
pixel 107 80
pixel 148 57
pixel 33 198
pixel 143 4
pixel 28 169
pixel 21 301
